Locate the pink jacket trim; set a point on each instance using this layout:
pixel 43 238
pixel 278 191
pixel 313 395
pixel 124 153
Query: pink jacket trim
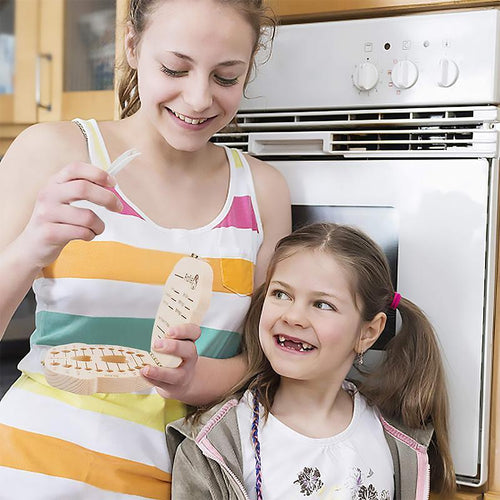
pixel 201 439
pixel 215 419
pixel 423 485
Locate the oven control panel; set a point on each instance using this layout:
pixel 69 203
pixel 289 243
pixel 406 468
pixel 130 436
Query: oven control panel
pixel 440 58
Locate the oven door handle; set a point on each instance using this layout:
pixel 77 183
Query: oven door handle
pixel 285 143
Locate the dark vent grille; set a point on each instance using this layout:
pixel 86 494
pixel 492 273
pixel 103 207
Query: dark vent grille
pixel 460 131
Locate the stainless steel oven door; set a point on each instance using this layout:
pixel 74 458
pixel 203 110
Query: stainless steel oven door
pixel 440 210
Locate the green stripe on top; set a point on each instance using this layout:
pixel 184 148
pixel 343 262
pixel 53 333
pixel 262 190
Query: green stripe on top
pixel 59 328
pixel 218 344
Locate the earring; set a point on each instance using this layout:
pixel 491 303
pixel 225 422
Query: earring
pixel 359 359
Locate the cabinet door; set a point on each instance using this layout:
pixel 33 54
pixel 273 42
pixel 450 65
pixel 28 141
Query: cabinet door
pixel 7 44
pixel 70 72
pixel 306 10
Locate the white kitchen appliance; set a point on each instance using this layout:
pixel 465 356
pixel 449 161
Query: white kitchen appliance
pixel 391 124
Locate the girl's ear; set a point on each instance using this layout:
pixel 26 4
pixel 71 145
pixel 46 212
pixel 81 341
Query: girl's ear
pixel 131 46
pixel 370 332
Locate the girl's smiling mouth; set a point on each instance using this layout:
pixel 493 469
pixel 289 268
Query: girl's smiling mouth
pixel 188 120
pixel 292 344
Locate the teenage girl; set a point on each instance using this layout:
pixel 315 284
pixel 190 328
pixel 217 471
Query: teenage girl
pixel 97 250
pixel 295 427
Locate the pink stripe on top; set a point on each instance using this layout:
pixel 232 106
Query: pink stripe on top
pixel 127 209
pixel 241 215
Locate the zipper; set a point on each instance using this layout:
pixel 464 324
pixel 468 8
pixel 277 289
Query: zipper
pixel 427 492
pixel 238 482
pixel 226 469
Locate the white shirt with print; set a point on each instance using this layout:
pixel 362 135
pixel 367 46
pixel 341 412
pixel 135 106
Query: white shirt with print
pixel 353 465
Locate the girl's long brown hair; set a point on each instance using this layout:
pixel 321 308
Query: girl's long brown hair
pixel 409 385
pixel 258 15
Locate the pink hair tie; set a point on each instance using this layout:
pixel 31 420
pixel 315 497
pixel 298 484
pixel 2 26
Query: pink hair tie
pixel 395 300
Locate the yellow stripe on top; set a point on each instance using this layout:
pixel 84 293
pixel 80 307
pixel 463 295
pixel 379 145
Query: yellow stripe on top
pixel 149 410
pixel 120 262
pixel 236 158
pixel 33 452
pixel 94 139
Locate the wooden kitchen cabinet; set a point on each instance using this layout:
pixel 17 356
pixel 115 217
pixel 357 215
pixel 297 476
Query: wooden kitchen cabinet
pixel 64 61
pixel 7 44
pixel 310 10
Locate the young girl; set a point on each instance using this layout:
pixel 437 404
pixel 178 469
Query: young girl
pixel 98 249
pixel 295 427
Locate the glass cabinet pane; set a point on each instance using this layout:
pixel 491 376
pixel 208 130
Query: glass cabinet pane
pixel 6 46
pixel 89 60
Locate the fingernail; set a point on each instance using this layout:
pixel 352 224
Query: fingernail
pixel 158 344
pixel 111 181
pixel 119 204
pixel 146 371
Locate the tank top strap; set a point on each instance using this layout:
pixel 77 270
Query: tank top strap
pixel 242 190
pixel 98 153
pixel 241 176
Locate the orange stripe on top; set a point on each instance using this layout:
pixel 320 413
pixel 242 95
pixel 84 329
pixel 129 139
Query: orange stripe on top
pixel 121 262
pixel 55 457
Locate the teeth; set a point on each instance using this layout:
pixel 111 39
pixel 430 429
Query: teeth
pixel 305 345
pixel 192 121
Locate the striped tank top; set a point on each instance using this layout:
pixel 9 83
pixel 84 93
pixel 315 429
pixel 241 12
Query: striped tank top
pixel 112 446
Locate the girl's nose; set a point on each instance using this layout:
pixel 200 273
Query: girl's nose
pixel 198 94
pixel 295 315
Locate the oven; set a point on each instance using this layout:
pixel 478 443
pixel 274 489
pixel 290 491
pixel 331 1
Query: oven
pixel 390 124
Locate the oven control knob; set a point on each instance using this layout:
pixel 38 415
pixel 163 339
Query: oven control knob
pixel 404 74
pixel 365 76
pixel 448 73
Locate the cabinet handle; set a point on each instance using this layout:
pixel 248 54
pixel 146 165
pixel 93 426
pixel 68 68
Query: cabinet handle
pixel 284 143
pixel 39 58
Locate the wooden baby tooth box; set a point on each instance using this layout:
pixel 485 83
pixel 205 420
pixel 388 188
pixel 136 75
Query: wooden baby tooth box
pixel 87 369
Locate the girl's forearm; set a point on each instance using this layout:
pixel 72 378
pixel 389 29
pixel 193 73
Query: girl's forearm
pixel 213 378
pixel 16 278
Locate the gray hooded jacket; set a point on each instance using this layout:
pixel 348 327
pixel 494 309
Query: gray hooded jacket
pixel 207 458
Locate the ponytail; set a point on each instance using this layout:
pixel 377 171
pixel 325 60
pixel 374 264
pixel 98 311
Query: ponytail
pixel 409 385
pixel 128 95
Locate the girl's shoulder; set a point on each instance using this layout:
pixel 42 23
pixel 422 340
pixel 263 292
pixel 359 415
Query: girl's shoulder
pixel 51 145
pixel 265 175
pixel 220 415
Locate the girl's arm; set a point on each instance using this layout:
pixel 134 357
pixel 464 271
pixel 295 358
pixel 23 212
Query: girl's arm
pixel 198 380
pixel 36 219
pixel 273 198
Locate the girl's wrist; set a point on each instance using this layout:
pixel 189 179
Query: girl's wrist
pixel 21 255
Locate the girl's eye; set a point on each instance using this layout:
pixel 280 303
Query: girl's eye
pixel 226 82
pixel 324 306
pixel 280 295
pixel 171 72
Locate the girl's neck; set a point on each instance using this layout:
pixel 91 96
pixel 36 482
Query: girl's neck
pixel 313 411
pixel 133 132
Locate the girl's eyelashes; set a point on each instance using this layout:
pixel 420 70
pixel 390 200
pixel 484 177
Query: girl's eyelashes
pixel 172 72
pixel 279 294
pixel 325 306
pixel 225 82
